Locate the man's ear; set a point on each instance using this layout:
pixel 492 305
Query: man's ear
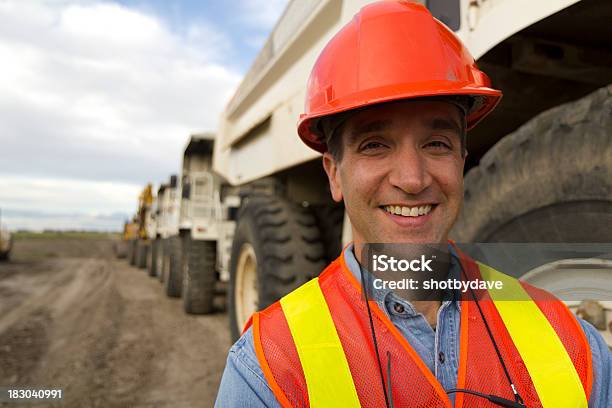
pixel 333 174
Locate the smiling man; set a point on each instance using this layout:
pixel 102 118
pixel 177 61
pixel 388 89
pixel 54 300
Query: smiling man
pixel 389 103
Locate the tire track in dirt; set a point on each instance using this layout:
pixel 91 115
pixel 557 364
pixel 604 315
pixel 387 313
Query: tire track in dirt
pixel 105 333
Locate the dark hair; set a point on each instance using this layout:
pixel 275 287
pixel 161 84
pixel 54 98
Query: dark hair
pixel 334 142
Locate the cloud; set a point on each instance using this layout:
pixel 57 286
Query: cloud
pixel 97 91
pixel 38 204
pixel 56 195
pixel 261 14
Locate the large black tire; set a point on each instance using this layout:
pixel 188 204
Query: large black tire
pixel 550 181
pixel 329 220
pixel 142 249
pixel 132 251
pixel 173 281
pixel 120 248
pixel 287 246
pixel 199 275
pixel 164 257
pixel 153 262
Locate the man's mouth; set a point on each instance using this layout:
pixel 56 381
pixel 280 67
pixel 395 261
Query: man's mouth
pixel 405 211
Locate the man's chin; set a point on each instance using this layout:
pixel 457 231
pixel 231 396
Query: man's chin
pixel 404 237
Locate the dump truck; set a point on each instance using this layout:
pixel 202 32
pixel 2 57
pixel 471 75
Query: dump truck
pixel 205 226
pixel 538 169
pixel 126 248
pixel 6 241
pixel 168 242
pixel 156 265
pixel 141 254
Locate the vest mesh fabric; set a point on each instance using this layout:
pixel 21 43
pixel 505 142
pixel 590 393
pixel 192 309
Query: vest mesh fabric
pixel 280 352
pixel 569 331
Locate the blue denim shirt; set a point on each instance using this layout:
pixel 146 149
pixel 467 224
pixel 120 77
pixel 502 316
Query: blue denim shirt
pixel 243 383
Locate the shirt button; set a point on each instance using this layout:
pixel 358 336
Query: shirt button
pixel 441 357
pixel 398 308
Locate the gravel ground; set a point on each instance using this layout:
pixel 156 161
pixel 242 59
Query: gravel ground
pixel 72 316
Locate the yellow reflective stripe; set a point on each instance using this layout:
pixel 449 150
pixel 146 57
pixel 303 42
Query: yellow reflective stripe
pixel 550 367
pixel 328 377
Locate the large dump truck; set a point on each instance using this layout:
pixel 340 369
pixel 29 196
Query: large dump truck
pixel 144 219
pixel 6 242
pixel 539 167
pixel 156 265
pixel 167 237
pixel 205 225
pixel 129 239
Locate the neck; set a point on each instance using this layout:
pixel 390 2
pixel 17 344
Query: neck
pixel 429 309
pixel 425 302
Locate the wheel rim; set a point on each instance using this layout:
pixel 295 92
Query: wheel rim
pixel 246 296
pixel 574 280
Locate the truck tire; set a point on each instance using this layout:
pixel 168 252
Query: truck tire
pixel 199 275
pixel 276 248
pixel 120 249
pixel 174 279
pixel 141 254
pixel 149 256
pixel 547 182
pixel 132 251
pixel 329 220
pixel 165 260
pixel 154 255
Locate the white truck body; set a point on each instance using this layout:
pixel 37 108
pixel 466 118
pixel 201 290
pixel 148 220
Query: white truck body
pixel 542 54
pixel 200 189
pixel 151 220
pixel 169 203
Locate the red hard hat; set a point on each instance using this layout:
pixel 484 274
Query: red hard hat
pixel 391 50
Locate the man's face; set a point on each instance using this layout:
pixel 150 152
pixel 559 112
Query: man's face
pixel 406 158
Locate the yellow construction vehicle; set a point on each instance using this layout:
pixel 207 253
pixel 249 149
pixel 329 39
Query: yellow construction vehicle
pixel 141 244
pixel 123 248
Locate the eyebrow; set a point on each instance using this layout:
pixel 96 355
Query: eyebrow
pixel 370 127
pixel 443 124
pixel 373 126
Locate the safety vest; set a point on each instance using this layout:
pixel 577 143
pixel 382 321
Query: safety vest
pixel 315 348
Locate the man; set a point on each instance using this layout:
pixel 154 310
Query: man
pixel 388 104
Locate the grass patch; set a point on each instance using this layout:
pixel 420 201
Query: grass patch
pixel 65 234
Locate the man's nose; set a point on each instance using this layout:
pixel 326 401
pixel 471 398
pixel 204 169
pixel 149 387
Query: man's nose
pixel 409 170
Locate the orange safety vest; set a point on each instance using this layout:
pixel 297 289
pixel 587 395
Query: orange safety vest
pixel 315 348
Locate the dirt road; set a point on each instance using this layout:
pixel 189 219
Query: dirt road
pixel 73 317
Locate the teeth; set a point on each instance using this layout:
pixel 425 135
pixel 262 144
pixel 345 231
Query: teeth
pixel 408 211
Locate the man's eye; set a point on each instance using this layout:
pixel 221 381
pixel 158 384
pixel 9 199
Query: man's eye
pixel 438 144
pixel 371 146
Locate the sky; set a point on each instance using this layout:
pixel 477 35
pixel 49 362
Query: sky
pixel 97 98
